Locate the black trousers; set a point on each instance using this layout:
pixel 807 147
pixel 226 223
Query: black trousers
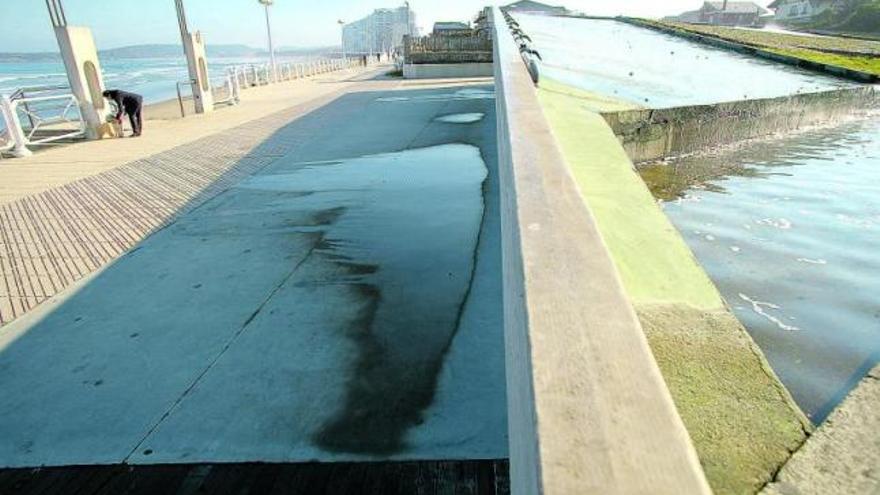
pixel 135 115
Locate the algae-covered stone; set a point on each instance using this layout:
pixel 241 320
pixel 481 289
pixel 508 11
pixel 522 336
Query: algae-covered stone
pixel 741 419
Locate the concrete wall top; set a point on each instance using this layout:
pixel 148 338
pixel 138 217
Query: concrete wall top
pixel 588 410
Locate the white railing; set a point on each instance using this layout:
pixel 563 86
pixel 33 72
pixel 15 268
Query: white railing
pixel 241 77
pixel 49 118
pixel 232 89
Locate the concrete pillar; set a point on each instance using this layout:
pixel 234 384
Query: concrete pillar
pixel 197 61
pixel 80 57
pixel 13 128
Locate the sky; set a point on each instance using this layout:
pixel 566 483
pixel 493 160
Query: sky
pixel 25 26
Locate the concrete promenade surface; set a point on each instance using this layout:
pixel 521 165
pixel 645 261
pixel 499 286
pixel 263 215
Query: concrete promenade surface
pixel 322 283
pixel 163 130
pixel 843 455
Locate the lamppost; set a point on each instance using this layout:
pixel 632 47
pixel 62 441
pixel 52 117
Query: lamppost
pixel 267 4
pixel 342 29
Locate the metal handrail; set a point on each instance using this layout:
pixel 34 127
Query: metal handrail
pixel 191 82
pixel 38 121
pixel 22 94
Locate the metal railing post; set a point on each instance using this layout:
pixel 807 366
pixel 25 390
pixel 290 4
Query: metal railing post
pixel 13 128
pixel 232 85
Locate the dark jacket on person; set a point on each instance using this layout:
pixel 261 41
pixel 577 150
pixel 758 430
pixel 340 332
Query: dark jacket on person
pixel 126 102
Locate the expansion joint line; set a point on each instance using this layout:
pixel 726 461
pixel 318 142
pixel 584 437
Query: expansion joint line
pixel 220 354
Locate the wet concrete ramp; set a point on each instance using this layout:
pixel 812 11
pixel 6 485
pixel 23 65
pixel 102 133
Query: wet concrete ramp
pixel 341 304
pixel 657 70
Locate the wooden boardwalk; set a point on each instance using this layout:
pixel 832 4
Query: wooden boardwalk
pixel 488 477
pixel 51 239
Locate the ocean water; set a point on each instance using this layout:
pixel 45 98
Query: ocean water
pixel 154 78
pixel 658 70
pixel 789 230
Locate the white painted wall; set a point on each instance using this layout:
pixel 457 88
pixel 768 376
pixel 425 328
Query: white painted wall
pixel 800 10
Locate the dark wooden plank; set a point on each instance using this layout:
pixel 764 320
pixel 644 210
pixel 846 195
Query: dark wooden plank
pixel 260 478
pixel 120 484
pixel 225 479
pixel 502 477
pixel 97 478
pixel 16 480
pixel 285 478
pixel 152 480
pixel 48 481
pixel 379 478
pixel 347 478
pixel 194 479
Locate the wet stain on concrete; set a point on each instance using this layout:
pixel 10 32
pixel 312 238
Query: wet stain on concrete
pixel 403 248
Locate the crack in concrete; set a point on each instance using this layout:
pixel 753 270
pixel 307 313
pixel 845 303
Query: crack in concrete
pixel 226 347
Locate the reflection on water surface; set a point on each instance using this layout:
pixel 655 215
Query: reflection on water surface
pixel 789 230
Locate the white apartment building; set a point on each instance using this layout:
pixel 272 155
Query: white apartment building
pixel 381 31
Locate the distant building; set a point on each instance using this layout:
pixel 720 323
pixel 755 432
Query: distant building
pixel 732 13
pixel 802 10
pixel 381 31
pixel 451 29
pixel 691 17
pixel 530 7
pixel 725 13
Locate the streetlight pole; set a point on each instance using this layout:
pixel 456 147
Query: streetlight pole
pixel 267 4
pixel 342 29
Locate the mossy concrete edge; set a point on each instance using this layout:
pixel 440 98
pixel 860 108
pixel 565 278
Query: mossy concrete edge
pixel 742 420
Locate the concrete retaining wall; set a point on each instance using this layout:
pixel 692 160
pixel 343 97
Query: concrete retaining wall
pixel 653 134
pixel 442 71
pixel 588 411
pixel 741 419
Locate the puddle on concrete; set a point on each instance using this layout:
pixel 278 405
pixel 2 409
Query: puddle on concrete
pixel 789 230
pixel 655 69
pixel 402 245
pixel 461 94
pixel 461 118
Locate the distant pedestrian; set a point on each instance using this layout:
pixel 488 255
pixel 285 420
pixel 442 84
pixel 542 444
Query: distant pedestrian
pixel 379 57
pixel 128 103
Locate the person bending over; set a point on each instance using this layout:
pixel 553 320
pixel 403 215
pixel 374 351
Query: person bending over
pixel 129 103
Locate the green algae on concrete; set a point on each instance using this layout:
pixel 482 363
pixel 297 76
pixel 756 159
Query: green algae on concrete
pixel 738 418
pixel 652 258
pixel 741 419
pixel 589 100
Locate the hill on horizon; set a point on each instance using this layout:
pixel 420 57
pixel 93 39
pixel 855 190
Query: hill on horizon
pixel 165 50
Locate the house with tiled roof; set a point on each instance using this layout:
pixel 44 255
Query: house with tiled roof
pixel 802 10
pixel 727 13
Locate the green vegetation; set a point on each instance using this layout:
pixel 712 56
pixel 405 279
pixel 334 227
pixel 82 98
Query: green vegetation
pixel 860 17
pixel 870 64
pixel 849 53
